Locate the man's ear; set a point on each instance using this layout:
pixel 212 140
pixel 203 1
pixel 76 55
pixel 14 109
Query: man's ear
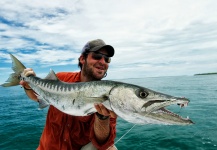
pixel 82 59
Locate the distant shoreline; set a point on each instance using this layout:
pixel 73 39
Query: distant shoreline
pixel 213 73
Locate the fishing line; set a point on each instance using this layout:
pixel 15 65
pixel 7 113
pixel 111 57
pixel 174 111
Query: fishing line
pixel 123 136
pixel 125 133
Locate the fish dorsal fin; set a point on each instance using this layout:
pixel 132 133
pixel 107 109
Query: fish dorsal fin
pixel 51 75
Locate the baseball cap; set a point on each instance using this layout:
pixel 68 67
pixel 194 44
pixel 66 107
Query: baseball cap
pixel 96 45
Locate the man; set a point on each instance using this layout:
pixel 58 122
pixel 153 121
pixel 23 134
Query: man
pixel 96 131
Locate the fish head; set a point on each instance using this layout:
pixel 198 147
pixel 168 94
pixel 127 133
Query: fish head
pixel 144 106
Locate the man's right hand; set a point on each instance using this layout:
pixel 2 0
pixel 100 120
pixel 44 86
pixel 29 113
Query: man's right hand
pixel 30 93
pixel 27 72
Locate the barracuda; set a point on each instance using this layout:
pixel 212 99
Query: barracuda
pixel 132 103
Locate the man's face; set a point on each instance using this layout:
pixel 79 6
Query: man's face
pixel 95 69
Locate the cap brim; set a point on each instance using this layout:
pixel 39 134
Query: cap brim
pixel 109 49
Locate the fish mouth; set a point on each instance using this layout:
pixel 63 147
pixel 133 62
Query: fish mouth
pixel 168 112
pixel 161 113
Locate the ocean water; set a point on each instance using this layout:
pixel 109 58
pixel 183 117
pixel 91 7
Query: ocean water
pixel 21 123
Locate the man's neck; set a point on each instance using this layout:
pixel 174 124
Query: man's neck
pixel 85 78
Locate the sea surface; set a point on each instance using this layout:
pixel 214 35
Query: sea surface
pixel 21 123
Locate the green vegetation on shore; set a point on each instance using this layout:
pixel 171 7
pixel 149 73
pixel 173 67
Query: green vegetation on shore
pixel 213 73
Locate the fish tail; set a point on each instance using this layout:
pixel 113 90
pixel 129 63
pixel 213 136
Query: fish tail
pixel 14 78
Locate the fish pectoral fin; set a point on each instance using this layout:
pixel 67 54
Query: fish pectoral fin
pixel 42 102
pixel 96 99
pixel 92 110
pixel 107 104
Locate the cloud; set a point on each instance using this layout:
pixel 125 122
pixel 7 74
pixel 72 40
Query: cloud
pixel 151 38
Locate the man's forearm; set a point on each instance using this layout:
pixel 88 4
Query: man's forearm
pixel 30 93
pixel 101 129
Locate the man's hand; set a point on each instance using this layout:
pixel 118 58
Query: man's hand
pixel 30 93
pixel 102 126
pixel 27 72
pixel 101 109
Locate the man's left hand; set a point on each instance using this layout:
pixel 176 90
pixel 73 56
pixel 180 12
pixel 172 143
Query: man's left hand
pixel 101 109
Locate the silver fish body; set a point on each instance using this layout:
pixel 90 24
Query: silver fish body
pixel 132 103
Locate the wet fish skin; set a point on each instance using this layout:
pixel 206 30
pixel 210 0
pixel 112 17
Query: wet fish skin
pixel 133 103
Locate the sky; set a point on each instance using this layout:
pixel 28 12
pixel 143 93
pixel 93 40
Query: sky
pixel 151 37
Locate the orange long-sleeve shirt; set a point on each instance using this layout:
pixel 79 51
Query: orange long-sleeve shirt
pixel 66 132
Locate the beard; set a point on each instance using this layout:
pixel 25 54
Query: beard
pixel 89 73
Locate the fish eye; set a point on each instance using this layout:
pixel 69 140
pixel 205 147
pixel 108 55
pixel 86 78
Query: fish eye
pixel 141 93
